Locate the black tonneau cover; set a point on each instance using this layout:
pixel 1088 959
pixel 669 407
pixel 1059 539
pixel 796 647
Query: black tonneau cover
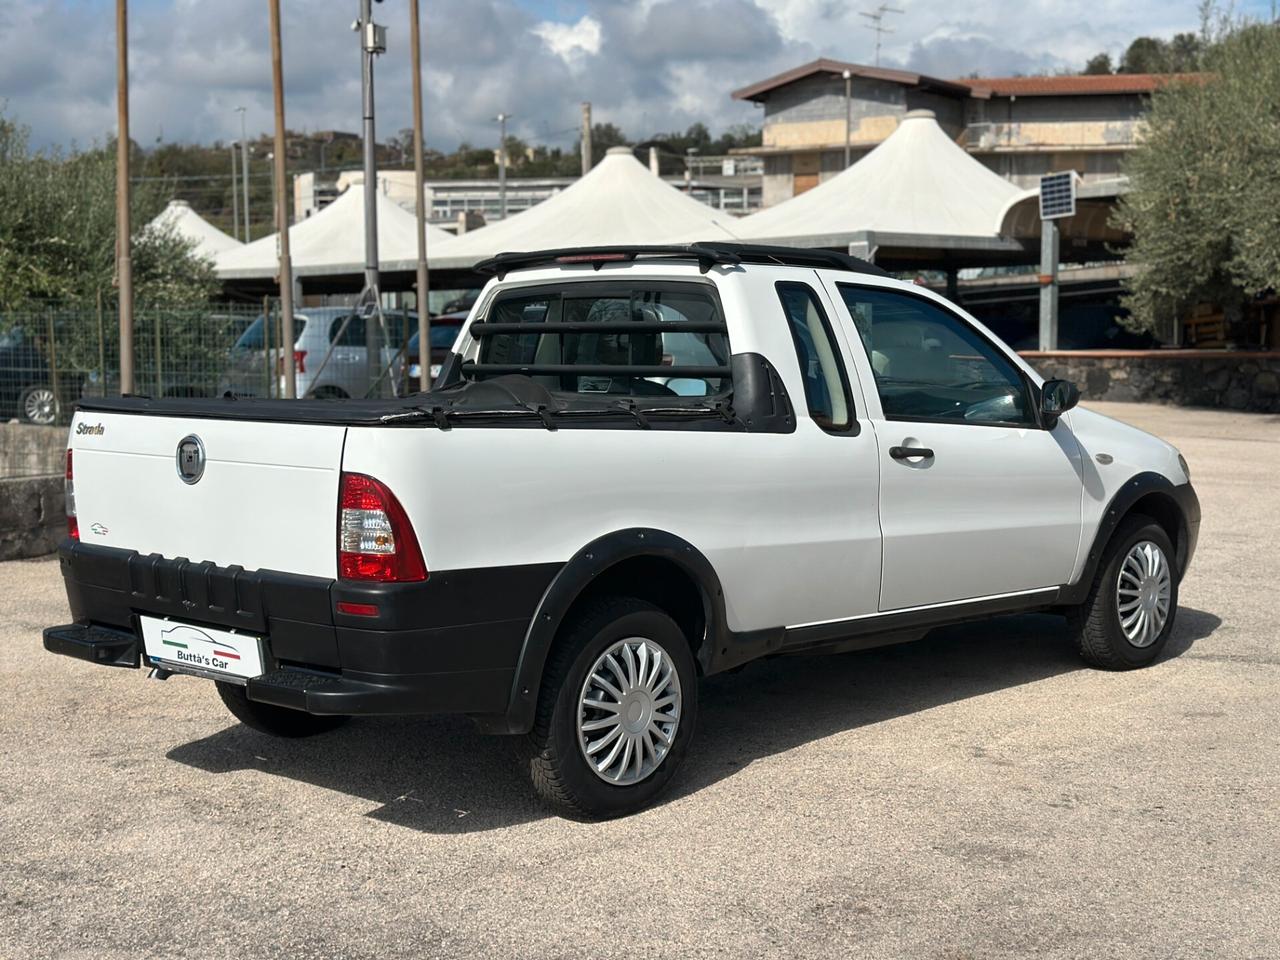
pixel 502 400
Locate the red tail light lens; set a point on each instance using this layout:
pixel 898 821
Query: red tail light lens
pixel 375 539
pixel 299 362
pixel 69 489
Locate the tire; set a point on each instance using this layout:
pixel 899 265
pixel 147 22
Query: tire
pixel 273 720
pixel 558 765
pixel 1096 626
pixel 37 405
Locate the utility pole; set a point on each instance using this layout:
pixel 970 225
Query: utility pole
pixel 235 195
pixel 848 118
pixel 424 315
pixel 373 41
pixel 124 240
pixel 502 119
pixel 586 138
pixel 244 172
pixel 876 17
pixel 282 213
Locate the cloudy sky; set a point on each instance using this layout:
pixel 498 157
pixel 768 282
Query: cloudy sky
pixel 647 65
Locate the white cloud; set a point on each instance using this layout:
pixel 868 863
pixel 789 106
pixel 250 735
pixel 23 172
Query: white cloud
pixel 571 41
pixel 647 65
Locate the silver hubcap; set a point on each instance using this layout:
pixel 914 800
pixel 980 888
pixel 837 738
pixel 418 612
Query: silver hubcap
pixel 628 711
pixel 39 407
pixel 1143 593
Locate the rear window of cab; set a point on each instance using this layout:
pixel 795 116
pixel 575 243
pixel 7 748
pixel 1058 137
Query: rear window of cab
pixel 655 339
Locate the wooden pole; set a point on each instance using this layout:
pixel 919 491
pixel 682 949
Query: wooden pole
pixel 282 213
pixel 124 254
pixel 424 315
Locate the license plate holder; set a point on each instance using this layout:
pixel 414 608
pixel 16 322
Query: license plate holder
pixel 203 651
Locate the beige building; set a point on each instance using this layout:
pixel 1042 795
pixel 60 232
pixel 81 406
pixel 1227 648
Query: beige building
pixel 1020 127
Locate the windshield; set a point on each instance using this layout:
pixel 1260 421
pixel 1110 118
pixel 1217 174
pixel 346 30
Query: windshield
pixel 251 339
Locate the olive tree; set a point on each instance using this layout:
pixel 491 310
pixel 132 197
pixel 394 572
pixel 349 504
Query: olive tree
pixel 1204 209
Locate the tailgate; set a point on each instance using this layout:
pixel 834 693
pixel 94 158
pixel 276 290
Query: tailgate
pixel 266 499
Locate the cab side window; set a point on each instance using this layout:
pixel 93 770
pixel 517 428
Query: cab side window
pixel 930 365
pixel 826 388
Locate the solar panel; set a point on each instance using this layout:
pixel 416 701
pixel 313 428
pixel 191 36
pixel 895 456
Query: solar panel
pixel 1058 195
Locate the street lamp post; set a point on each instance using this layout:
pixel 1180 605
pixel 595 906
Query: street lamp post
pixel 373 41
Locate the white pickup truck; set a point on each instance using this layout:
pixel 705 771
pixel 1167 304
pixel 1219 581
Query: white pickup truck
pixel 639 466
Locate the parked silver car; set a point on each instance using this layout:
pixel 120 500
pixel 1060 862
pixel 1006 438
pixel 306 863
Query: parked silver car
pixel 329 355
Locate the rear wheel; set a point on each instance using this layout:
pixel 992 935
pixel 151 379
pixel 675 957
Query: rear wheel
pixel 272 720
pixel 616 711
pixel 1128 615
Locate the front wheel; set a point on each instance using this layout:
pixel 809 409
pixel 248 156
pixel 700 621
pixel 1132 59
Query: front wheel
pixel 272 720
pixel 1125 621
pixel 616 710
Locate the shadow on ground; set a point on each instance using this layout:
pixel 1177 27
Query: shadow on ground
pixel 439 775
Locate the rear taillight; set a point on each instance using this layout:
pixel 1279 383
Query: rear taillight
pixel 375 540
pixel 299 362
pixel 69 488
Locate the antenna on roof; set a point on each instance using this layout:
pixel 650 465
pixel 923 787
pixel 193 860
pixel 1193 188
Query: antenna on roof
pixel 876 17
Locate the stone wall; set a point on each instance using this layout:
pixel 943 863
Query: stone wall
pixel 32 516
pixel 27 450
pixel 1192 378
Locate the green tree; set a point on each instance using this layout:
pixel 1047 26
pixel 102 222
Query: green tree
pixel 1204 208
pixel 1099 64
pixel 58 224
pixel 1145 55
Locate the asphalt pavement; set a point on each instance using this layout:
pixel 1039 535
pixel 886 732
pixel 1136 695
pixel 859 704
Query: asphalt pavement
pixel 976 794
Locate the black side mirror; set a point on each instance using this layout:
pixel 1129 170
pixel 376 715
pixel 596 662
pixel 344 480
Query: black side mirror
pixel 1056 398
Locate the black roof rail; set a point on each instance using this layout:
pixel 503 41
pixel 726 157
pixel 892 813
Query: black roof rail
pixel 707 253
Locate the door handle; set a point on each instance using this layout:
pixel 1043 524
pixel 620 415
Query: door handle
pixel 907 453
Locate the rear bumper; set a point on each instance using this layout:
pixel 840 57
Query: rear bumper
pixel 424 652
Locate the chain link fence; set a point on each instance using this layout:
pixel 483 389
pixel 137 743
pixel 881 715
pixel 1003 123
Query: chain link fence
pixel 51 357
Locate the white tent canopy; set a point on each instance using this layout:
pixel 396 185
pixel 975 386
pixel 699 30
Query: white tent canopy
pixel 918 182
pixel 332 242
pixel 618 202
pixel 206 239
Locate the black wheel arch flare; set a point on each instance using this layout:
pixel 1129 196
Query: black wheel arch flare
pixel 1176 501
pixel 577 577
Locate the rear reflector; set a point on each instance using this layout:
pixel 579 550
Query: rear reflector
pixel 357 609
pixel 375 539
pixel 69 489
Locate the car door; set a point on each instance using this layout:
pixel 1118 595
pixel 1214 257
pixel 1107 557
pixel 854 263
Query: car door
pixel 976 498
pixel 349 366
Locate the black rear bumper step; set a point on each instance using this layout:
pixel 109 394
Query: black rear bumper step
pixel 475 691
pixel 114 648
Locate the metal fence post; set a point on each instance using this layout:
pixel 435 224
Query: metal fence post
pixel 159 375
pixel 53 368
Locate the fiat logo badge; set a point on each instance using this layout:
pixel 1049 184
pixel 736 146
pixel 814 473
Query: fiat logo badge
pixel 190 459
